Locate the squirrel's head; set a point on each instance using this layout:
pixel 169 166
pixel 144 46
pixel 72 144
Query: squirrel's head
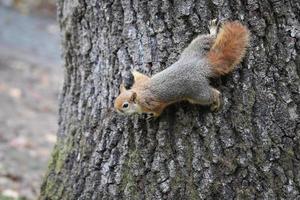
pixel 126 102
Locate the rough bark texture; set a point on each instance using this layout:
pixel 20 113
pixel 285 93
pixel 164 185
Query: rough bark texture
pixel 250 149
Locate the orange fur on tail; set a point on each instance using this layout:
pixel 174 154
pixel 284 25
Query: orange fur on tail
pixel 229 48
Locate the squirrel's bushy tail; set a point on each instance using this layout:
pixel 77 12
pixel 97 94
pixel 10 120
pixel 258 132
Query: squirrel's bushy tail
pixel 229 48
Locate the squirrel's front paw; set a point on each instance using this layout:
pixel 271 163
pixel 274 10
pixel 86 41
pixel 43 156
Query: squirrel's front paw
pixel 216 104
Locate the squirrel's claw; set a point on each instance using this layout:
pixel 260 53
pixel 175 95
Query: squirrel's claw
pixel 213 26
pixel 216 104
pixel 215 107
pixel 150 116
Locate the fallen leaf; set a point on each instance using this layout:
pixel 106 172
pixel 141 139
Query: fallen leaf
pixel 15 93
pixel 10 193
pixel 20 142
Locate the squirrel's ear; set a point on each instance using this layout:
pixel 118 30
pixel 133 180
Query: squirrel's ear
pixel 133 97
pixel 122 88
pixel 128 80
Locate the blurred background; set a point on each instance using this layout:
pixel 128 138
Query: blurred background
pixel 30 80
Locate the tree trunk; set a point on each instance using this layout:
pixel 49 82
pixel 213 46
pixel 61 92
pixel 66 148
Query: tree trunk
pixel 250 149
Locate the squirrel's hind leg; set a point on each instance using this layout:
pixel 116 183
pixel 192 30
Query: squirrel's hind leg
pixel 210 97
pixel 199 46
pixel 202 43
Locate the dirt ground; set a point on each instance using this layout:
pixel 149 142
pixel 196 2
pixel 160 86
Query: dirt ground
pixel 31 76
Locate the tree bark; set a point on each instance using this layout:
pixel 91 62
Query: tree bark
pixel 250 149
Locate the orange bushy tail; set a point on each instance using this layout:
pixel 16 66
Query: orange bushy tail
pixel 229 48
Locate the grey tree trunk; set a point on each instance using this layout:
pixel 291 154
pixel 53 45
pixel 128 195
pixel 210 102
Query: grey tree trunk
pixel 248 150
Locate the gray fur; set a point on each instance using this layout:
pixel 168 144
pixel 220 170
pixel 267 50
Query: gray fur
pixel 188 77
pixel 199 46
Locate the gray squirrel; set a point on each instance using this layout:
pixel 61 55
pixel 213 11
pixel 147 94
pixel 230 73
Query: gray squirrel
pixel 209 55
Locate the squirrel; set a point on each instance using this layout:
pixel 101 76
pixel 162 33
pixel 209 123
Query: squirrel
pixel 209 55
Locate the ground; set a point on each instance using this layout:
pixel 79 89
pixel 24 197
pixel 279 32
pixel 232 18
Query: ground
pixel 30 80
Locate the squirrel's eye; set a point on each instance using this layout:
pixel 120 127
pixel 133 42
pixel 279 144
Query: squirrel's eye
pixel 125 105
